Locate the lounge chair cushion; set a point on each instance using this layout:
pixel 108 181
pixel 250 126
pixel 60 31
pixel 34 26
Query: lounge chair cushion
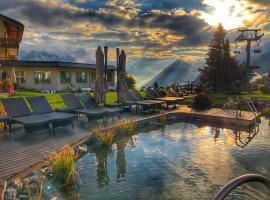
pixel 72 101
pixel 16 107
pixel 92 111
pixel 58 116
pixel 39 104
pixel 88 100
pixel 32 120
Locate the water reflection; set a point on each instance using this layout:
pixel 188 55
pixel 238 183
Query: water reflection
pixel 183 162
pixel 102 171
pixel 241 137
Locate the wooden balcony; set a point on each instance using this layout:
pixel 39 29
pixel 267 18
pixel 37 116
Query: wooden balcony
pixel 9 43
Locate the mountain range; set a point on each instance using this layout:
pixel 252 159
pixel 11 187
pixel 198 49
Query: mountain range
pixel 147 71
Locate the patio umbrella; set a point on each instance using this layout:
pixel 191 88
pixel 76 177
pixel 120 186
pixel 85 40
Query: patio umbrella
pixel 123 88
pixel 101 85
pixel 13 76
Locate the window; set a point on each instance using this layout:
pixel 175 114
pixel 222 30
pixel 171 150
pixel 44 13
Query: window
pixel 65 77
pixel 110 76
pixel 20 76
pixel 42 77
pixel 81 77
pixel 93 76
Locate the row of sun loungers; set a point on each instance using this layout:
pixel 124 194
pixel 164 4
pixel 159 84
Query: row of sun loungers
pixel 36 113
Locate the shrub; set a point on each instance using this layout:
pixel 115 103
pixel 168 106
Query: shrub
pixel 202 101
pixel 126 126
pixel 2 113
pixel 62 164
pixel 105 136
pixel 162 118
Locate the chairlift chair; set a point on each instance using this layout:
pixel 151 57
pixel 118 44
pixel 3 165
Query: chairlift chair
pixel 257 49
pixel 237 51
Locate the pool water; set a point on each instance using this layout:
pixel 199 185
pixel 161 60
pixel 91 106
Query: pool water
pixel 182 161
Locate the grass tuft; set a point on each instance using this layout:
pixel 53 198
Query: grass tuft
pixel 105 135
pixel 62 164
pixel 38 192
pixel 162 118
pixel 127 126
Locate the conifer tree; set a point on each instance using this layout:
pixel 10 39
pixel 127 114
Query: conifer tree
pixel 222 72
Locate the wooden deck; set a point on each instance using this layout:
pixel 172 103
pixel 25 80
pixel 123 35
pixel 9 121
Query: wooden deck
pixel 219 115
pixel 23 153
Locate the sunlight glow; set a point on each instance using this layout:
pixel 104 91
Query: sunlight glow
pixel 231 13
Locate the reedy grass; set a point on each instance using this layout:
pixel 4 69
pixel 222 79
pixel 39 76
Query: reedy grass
pixel 62 164
pixel 127 126
pixel 38 193
pixel 105 136
pixel 162 118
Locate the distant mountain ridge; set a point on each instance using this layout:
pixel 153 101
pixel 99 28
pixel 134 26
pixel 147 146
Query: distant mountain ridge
pixel 44 56
pixel 177 72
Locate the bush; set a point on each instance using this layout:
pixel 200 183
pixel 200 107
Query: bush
pixel 202 101
pixel 62 164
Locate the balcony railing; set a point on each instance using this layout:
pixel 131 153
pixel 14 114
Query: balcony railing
pixel 9 43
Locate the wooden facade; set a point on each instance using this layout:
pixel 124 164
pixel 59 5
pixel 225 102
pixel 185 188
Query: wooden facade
pixel 11 33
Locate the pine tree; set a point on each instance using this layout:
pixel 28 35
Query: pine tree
pixel 222 72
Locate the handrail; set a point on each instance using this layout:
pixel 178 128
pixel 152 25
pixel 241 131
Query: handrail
pixel 251 107
pixel 229 187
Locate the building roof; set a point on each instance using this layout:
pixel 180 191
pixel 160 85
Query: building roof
pixel 21 63
pixel 12 22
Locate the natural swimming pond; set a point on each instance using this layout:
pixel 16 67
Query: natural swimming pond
pixel 182 161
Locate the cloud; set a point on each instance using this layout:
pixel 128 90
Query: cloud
pixel 142 27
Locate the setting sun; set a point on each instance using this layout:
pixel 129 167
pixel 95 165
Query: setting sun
pixel 230 13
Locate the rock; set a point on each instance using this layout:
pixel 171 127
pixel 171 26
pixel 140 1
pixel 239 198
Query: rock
pixel 11 194
pixel 82 149
pixel 54 198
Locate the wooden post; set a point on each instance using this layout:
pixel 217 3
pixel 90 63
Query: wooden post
pixel 117 73
pixel 106 61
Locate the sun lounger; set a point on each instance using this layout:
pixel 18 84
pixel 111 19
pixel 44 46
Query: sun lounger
pixel 75 106
pixel 90 102
pixel 169 100
pixel 152 104
pixel 41 107
pixel 19 113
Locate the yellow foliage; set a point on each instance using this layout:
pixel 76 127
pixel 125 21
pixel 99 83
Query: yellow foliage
pixel 2 113
pixel 62 164
pixel 126 126
pixel 105 135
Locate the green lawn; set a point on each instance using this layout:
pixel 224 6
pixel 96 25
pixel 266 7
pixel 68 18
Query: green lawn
pixel 56 100
pixel 219 98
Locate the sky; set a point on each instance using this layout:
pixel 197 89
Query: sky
pixel 164 29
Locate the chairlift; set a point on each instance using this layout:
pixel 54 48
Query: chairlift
pixel 237 51
pixel 257 49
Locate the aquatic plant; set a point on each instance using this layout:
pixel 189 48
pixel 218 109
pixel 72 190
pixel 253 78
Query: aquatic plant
pixel 127 126
pixel 62 164
pixel 105 135
pixel 38 192
pixel 162 118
